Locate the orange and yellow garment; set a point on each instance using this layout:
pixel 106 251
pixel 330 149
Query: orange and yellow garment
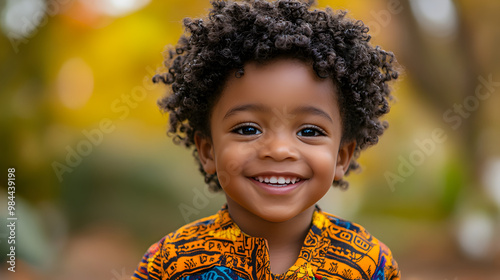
pixel 215 248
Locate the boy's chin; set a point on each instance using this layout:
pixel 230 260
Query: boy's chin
pixel 268 212
pixel 281 214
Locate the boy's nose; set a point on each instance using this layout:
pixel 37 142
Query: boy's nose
pixel 278 147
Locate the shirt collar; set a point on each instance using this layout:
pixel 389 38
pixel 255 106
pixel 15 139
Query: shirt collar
pixel 311 255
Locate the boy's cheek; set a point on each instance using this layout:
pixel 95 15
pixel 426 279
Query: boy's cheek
pixel 324 162
pixel 232 168
pixel 227 161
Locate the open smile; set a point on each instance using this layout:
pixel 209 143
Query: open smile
pixel 277 184
pixel 277 181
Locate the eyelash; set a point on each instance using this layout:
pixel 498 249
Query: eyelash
pixel 256 131
pixel 317 131
pixel 242 126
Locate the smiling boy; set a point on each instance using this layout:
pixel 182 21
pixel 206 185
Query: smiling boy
pixel 278 100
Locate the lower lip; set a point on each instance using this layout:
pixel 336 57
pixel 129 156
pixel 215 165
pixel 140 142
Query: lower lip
pixel 272 190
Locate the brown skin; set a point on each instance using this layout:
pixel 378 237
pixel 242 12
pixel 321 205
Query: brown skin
pixel 278 120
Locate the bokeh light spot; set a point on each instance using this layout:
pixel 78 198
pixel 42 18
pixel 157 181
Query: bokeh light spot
pixel 437 17
pixel 20 18
pixel 75 83
pixel 116 8
pixel 475 235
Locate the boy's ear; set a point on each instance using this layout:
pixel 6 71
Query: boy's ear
pixel 344 159
pixel 205 150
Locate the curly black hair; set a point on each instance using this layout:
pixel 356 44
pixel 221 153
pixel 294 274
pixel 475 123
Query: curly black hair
pixel 235 33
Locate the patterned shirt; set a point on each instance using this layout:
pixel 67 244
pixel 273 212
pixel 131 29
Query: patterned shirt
pixel 215 248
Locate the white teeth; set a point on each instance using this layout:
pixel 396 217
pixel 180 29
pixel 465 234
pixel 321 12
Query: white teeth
pixel 277 180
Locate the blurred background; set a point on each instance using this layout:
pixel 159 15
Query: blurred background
pixel 98 180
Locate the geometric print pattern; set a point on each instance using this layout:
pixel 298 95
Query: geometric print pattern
pixel 215 248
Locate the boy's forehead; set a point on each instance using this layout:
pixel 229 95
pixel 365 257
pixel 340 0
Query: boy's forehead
pixel 284 85
pixel 281 72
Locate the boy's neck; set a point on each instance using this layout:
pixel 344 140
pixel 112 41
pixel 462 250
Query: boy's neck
pixel 284 239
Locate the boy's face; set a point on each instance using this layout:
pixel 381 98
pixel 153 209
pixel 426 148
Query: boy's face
pixel 275 140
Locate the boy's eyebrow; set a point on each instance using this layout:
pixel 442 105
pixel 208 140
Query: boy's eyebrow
pixel 311 110
pixel 246 107
pixel 261 108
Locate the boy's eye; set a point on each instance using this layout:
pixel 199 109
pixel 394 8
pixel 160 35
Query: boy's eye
pixel 310 132
pixel 247 130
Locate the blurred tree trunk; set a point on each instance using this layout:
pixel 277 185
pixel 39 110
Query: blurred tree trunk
pixel 446 71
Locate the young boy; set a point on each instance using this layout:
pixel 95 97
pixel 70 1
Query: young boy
pixel 278 100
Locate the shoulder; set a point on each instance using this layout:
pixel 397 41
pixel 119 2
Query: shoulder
pixel 346 228
pixel 162 255
pixel 356 245
pixel 197 230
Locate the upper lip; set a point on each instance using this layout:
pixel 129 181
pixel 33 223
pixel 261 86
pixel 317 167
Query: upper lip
pixel 278 174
